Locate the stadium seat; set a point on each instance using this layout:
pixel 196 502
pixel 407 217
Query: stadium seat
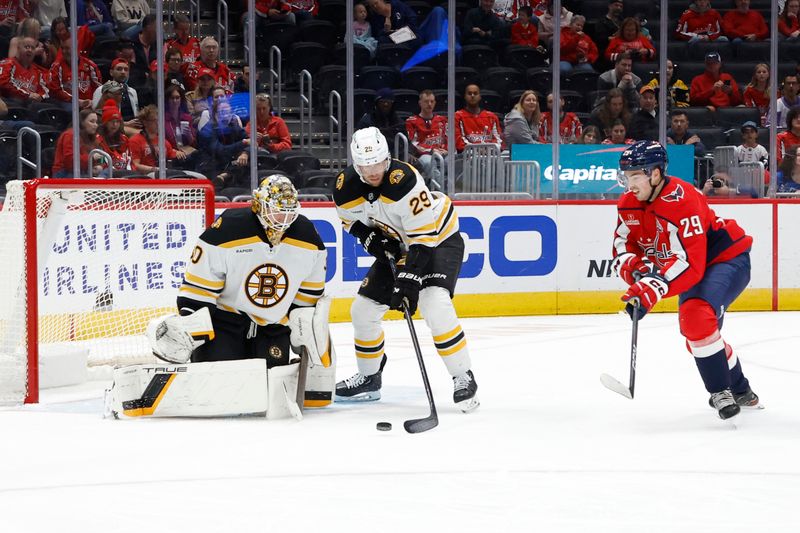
pixel 540 79
pixel 393 55
pixel 363 102
pixel 293 163
pixel 441 101
pixel 54 117
pixel 318 31
pixel 580 82
pixel 678 51
pixel 711 137
pixel 523 57
pixel 734 117
pixel 334 11
pixel 361 57
pixel 502 80
pixel 329 78
pixel 420 78
pixel 308 56
pixel 420 7
pixel 492 101
pixel 19 113
pixel 267 161
pixel 406 100
pixel 318 178
pixel 478 56
pixel 698 51
pixel 753 52
pixel 573 101
pixel 465 76
pixel 377 77
pixel 280 34
pixel 699 117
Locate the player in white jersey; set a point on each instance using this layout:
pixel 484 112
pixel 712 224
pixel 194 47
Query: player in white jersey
pixel 385 204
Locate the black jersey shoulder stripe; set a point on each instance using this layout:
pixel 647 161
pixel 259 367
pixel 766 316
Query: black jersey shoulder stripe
pixel 398 181
pixel 303 230
pixel 234 225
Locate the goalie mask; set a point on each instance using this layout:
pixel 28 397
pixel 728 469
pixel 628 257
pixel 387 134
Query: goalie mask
pixel 368 148
pixel 275 203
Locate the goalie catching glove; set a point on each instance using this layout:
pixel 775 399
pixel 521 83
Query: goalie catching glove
pixel 309 330
pixel 173 338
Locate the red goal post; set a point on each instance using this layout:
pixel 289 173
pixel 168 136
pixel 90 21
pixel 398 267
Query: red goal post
pixel 87 264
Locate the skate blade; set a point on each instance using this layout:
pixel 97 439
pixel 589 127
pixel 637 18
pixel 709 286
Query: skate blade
pixel 469 405
pixel 359 398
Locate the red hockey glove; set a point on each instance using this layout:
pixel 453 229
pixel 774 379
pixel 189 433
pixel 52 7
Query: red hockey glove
pixel 629 267
pixel 648 290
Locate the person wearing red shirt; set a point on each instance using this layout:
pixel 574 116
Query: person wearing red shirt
pixel 21 79
pixel 578 51
pixel 789 21
pixel 523 31
pixel 188 45
pixel 569 129
pixel 62 163
pixel 630 39
pixel 144 145
pixel 60 77
pixel 669 242
pixel 427 133
pixel 756 94
pixel 714 88
pixel 475 125
pixel 272 133
pixel 743 24
pixel 790 137
pixel 209 58
pixel 700 23
pixel 112 139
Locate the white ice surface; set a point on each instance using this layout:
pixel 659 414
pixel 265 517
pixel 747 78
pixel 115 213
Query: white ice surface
pixel 549 450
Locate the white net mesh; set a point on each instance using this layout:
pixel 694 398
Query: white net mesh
pixel 110 258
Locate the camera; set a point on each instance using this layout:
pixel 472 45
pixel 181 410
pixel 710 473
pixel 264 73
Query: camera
pixel 717 183
pixel 727 82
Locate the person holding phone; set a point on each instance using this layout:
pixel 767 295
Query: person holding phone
pixel 714 88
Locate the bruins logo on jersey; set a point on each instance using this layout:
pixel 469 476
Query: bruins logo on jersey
pixel 266 285
pixel 217 223
pixel 340 181
pixel 395 176
pixel 275 352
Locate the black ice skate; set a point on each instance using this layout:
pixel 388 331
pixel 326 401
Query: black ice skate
pixel 724 403
pixel 361 388
pixel 464 389
pixel 747 399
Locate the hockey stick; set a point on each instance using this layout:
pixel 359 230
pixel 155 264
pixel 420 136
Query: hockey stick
pixel 418 425
pixel 612 383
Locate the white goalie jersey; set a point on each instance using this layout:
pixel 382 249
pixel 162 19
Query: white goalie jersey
pixel 234 268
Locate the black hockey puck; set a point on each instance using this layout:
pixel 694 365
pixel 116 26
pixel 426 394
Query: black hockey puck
pixel 383 426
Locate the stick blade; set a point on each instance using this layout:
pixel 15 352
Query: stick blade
pixel 613 384
pixel 418 425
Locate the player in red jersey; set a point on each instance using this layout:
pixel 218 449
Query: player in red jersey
pixel 669 242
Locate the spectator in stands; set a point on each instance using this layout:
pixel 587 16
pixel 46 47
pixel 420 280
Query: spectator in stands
pixel 679 132
pixel 129 15
pixel 144 145
pixel 743 24
pixel 242 84
pixel 630 39
pixel 578 51
pixel 427 133
pixel 59 31
pixel 304 9
pixel 87 128
pixel 183 41
pixel 112 139
pixel 547 22
pixel 48 11
pixel 60 78
pixel 474 125
pixel 220 143
pixel 271 130
pixel 789 171
pixel 388 16
pixel 217 95
pixel 611 108
pixel 481 26
pixel 569 129
pixel 509 10
pixel 789 21
pixel 720 185
pixel 29 27
pixel 173 68
pixel 789 98
pixel 700 23
pixel 8 20
pixel 714 88
pixel 144 43
pixel 362 31
pixel 645 121
pixel 200 98
pixel 678 91
pixel 209 58
pixel 383 116
pixel 620 77
pixel 95 14
pixel 608 26
pixel 757 92
pixel 524 32
pixel 129 104
pixel 522 123
pixel 178 129
pixel 618 134
pixel 790 137
pixel 23 82
pixel 273 11
pixel 11 124
pixel 590 135
pixel 750 151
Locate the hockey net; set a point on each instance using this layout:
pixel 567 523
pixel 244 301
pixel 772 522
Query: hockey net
pixel 86 265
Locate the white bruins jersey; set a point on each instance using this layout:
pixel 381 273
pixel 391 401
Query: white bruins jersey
pixel 402 206
pixel 233 267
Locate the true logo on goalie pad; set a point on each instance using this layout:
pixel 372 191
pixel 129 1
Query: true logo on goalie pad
pixel 267 285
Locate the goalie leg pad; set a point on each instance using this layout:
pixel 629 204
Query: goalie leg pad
pixel 282 386
pixel 309 328
pixel 320 384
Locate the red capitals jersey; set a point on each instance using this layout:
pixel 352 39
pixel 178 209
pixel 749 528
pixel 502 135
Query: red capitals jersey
pixel 678 232
pixel 477 129
pixel 569 129
pixel 425 135
pixel 222 76
pixel 10 9
pixel 190 49
pixel 693 23
pixel 19 82
pixel 59 80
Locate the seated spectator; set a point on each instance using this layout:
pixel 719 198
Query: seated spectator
pixel 29 27
pixel 273 11
pixel 188 45
pixel 200 98
pixel 480 25
pixel 578 51
pixel 509 10
pixel 678 91
pixel 757 92
pixel 111 139
pixel 388 16
pixel 790 137
pixel 362 31
pixel 679 132
pixel 137 73
pixel 645 120
pixel 59 31
pixel 129 102
pixel 217 95
pixel 304 9
pixel 95 14
pixel 384 116
pixel 789 171
pixel 714 88
pixel 789 99
pixel 700 23
pixel 720 185
pixel 474 125
pixel 522 123
pixel 87 129
pixel 23 82
pixel 144 43
pixel 789 21
pixel 220 142
pixel 242 84
pixel 129 15
pixel 570 128
pixel 590 135
pixel 427 134
pixel 173 68
pixel 524 32
pixel 178 129
pixel 605 28
pixel 271 130
pixel 11 124
pixel 547 22
pixel 618 134
pixel 744 24
pixel 209 58
pixel 60 78
pixel 750 151
pixel 630 39
pixel 612 107
pixel 47 11
pixel 620 77
pixel 144 145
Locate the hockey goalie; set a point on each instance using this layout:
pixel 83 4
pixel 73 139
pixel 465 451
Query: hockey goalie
pixel 252 296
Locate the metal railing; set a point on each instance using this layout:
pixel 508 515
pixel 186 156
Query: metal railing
pixel 487 174
pixel 400 138
pixel 276 79
pixel 306 118
pixel 104 155
pixel 222 27
pixel 194 16
pixel 335 130
pixel 482 166
pixel 440 165
pixel 37 166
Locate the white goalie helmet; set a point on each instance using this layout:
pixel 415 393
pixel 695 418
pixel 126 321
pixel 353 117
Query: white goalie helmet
pixel 369 147
pixel 275 202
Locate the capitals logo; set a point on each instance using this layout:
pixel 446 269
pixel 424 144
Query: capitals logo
pixel 674 196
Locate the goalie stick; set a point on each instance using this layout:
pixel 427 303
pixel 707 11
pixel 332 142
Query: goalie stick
pixel 614 384
pixel 418 425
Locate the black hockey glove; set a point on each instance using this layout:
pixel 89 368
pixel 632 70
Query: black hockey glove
pixel 409 278
pixel 376 244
